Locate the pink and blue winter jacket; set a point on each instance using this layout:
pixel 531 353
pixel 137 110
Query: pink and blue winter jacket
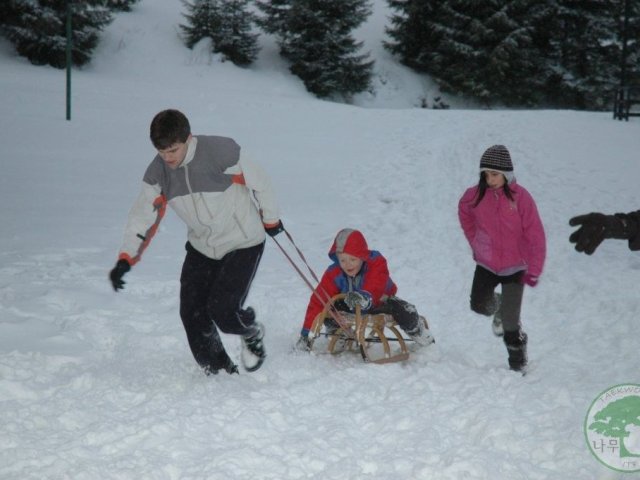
pixel 506 236
pixel 373 281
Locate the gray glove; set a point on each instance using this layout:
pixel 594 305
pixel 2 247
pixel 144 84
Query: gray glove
pixel 357 298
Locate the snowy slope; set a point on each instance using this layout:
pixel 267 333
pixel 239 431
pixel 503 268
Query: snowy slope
pixel 95 384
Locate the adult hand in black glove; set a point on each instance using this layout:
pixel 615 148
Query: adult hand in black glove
pixel 594 228
pixel 274 229
pixel 116 274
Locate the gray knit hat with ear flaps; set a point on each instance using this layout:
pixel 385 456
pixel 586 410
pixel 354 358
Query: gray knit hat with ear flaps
pixel 497 159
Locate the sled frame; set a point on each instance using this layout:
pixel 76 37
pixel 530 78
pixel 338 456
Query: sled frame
pixel 369 329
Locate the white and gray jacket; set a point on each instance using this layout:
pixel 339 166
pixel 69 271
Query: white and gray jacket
pixel 222 197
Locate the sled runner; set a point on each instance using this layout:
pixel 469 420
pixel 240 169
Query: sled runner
pixel 375 335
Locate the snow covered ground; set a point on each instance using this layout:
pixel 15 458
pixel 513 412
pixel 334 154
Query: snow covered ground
pixel 95 384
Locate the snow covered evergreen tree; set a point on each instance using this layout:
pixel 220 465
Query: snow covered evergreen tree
pixel 488 50
pixel 516 71
pixel 227 23
pixel 37 28
pixel 630 9
pixel 559 53
pixel 6 11
pixel 464 30
pixel 413 32
pixel 120 5
pixel 315 36
pixel 201 18
pixel 585 54
pixel 588 45
pixel 275 15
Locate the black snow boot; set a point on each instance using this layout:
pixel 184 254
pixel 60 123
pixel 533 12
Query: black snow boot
pixel 330 326
pixel 496 324
pixel 516 343
pixel 253 352
pixel 330 329
pixel 226 364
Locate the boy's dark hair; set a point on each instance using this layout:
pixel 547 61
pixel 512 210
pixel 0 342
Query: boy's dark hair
pixel 483 185
pixel 169 127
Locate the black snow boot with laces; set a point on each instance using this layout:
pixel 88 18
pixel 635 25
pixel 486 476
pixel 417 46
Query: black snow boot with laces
pixel 253 352
pixel 516 343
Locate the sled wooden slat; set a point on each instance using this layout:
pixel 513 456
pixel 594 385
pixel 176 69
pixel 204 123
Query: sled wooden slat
pixel 399 357
pixel 370 330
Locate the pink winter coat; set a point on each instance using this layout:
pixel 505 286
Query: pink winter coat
pixel 506 236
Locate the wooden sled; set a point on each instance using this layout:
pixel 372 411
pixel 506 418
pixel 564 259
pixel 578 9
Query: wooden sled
pixel 376 336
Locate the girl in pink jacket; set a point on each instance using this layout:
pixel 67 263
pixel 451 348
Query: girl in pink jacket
pixel 501 223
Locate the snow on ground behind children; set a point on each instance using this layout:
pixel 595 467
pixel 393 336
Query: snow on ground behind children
pixel 102 385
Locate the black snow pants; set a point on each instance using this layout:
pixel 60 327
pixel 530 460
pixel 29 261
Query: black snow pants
pixel 212 293
pixel 484 300
pixel 404 313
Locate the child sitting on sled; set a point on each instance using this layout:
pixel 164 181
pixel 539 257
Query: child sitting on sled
pixel 362 275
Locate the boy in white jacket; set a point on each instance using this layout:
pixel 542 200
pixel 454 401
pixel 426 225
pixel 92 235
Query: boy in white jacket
pixel 210 185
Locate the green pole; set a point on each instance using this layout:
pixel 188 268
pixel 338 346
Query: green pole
pixel 68 59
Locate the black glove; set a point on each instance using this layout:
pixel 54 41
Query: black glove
pixel 303 344
pixel 356 298
pixel 276 229
pixel 117 273
pixel 595 227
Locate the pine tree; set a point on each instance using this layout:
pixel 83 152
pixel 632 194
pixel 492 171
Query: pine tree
pixel 413 33
pixel 315 36
pixel 488 50
pixel 587 40
pixel 584 53
pixel 275 15
pixel 631 10
pixel 37 28
pixel 227 23
pixel 515 70
pixel 275 21
pixel 120 5
pixel 201 17
pixel 7 14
